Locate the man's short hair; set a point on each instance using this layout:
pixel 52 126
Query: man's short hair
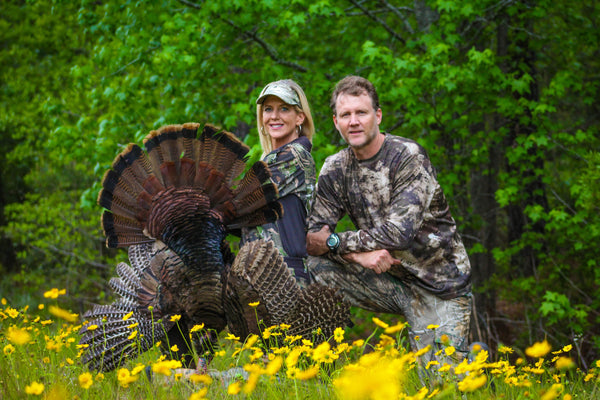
pixel 355 86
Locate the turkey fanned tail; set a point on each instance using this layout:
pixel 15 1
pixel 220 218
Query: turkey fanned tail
pixel 260 275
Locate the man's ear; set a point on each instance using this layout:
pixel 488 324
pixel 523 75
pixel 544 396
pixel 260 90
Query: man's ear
pixel 379 115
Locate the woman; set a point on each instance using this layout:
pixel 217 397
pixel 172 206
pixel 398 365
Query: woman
pixel 286 128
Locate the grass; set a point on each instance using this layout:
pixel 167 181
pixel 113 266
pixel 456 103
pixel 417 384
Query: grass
pixel 40 356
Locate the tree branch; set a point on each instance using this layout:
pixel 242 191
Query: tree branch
pixel 379 21
pixel 404 19
pixel 253 36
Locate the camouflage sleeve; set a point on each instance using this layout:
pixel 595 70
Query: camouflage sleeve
pixel 327 208
pixel 412 187
pixel 293 170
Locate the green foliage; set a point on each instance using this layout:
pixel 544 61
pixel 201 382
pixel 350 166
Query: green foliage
pixel 502 96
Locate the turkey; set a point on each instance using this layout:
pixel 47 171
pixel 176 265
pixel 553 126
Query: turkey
pixel 172 206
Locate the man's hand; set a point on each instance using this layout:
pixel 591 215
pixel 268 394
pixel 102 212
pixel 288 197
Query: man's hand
pixel 316 242
pixel 379 261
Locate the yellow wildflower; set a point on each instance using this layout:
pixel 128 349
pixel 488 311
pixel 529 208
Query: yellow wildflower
pixel 13 313
pixel 63 314
pixel 92 327
pixel 423 351
pixel 385 340
pixel 54 293
pixel 267 332
pixel 539 349
pixel 234 388
pixel 250 341
pixel 200 394
pixel 445 340
pixel 174 348
pixel 35 388
pixel 421 394
pixel 323 353
pixel 432 327
pixel 251 383
pixel 338 334
pixel 137 369
pixel 197 328
pixel 505 349
pixel 380 323
pixel 292 358
pixel 308 373
pixel 553 392
pixel 254 304
pixel 373 377
pixel 445 367
pixel 132 335
pixel 564 363
pixel 258 353
pixel 232 337
pixel 472 383
pixel 449 350
pixel 274 366
pixel 165 367
pixel 201 378
pixel 125 378
pixel 430 363
pixel 127 316
pixel 18 336
pixel 8 349
pixel 134 325
pixel 220 353
pixel 342 347
pixel 85 380
pixel 175 318
pixel 396 328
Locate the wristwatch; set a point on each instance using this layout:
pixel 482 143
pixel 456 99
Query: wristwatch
pixel 333 243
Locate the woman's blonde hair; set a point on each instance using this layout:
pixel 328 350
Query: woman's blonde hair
pixel 307 127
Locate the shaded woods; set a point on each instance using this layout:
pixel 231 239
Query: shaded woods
pixel 503 95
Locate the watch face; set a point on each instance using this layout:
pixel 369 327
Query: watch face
pixel 333 241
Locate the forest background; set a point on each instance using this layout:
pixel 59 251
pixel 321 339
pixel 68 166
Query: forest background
pixel 503 94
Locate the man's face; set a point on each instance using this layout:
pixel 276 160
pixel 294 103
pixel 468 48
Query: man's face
pixel 356 120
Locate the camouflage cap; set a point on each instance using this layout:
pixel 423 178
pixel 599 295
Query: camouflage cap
pixel 281 90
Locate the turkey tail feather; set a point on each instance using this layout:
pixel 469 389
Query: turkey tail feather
pixel 176 157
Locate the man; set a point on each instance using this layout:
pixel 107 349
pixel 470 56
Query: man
pixel 405 256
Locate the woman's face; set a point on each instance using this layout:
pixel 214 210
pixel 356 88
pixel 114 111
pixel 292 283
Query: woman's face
pixel 281 121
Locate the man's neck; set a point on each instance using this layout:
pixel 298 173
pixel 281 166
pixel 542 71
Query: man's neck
pixel 369 151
